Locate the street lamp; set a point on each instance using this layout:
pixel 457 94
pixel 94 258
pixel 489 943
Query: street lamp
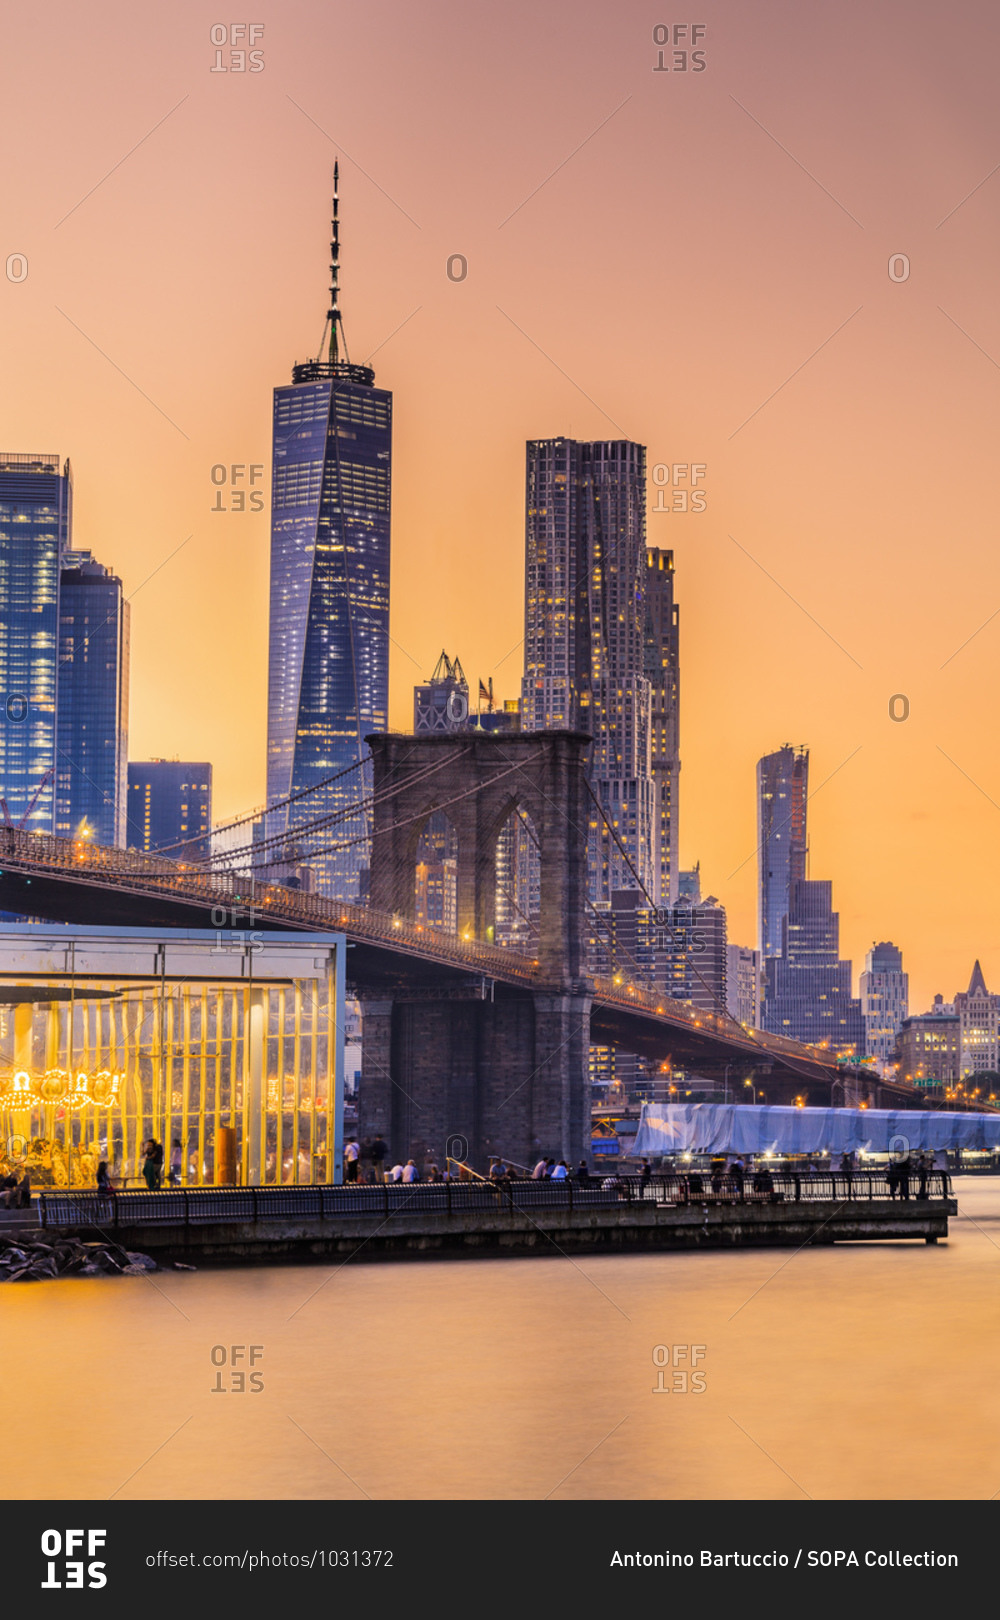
pixel 753 1090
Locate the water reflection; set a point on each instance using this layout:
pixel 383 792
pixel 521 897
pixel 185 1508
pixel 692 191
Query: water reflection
pixel 865 1371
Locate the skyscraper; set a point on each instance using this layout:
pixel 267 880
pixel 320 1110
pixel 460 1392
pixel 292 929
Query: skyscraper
pixel 92 708
pixel 328 682
pixel 663 673
pixel 884 992
pixel 170 808
pixel 782 793
pixel 586 635
pixel 36 516
pixel 808 988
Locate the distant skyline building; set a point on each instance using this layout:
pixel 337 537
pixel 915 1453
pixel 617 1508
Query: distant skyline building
pixel 328 680
pixel 92 702
pixel 678 950
pixel 689 883
pixel 442 703
pixel 807 990
pixel 979 1026
pixel 782 795
pixel 36 525
pixel 743 984
pixel 663 673
pixel 885 999
pixel 692 953
pixel 170 808
pixel 929 1046
pixel 587 638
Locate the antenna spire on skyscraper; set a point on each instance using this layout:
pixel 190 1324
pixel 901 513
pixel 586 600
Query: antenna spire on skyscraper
pixel 334 315
pixel 333 358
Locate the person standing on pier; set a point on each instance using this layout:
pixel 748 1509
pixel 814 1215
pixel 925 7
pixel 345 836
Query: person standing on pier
pixel 905 1169
pixel 152 1164
pixel 379 1150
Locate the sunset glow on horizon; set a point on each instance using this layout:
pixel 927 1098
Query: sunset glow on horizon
pixel 780 268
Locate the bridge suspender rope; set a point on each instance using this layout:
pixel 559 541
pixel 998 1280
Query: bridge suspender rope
pixel 297 834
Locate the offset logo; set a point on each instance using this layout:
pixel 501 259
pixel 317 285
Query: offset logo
pixel 63 1568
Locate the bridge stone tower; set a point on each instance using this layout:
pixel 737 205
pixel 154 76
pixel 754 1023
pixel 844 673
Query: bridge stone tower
pixel 501 1070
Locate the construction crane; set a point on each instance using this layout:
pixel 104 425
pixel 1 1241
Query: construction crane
pixel 20 825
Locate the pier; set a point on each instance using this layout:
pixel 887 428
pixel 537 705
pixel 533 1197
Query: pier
pixel 448 1219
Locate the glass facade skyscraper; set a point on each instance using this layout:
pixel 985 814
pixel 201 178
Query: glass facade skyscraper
pixel 36 515
pixel 92 723
pixel 170 808
pixel 808 987
pixel 782 795
pixel 586 635
pixel 328 682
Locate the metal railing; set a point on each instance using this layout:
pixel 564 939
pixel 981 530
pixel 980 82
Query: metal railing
pixel 199 1206
pixel 157 876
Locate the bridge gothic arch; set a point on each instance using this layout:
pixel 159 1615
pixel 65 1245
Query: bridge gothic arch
pixel 478 779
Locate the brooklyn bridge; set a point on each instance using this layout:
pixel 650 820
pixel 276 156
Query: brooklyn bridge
pixel 462 1037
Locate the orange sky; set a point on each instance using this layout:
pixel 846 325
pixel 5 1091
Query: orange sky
pixel 681 267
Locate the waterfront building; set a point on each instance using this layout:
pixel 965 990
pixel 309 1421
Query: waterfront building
pixel 36 519
pixel 92 702
pixel 979 1027
pixel 170 808
pixel 587 639
pixel 928 1046
pixel 328 680
pixel 743 984
pixel 782 795
pixel 807 989
pixel 884 995
pixel 237 1054
pixel 663 674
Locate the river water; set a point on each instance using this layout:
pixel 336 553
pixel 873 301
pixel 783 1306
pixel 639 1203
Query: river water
pixel 866 1370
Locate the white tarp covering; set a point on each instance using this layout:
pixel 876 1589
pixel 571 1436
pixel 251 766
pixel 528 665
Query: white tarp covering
pixel 741 1128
